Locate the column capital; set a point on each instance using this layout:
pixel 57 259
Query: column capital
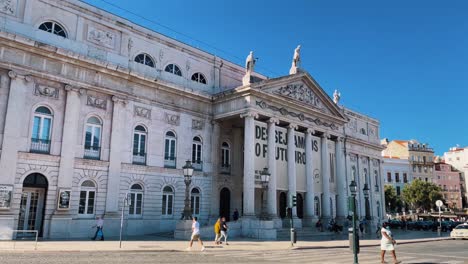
pixel 119 100
pixel 273 120
pixel 249 114
pixel 72 88
pixel 215 123
pixel 16 75
pixel 310 131
pixel 325 135
pixel 292 126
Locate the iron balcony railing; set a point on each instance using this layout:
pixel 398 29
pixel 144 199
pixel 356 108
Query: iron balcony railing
pixel 170 162
pixel 197 165
pixel 92 152
pixel 40 146
pixel 139 158
pixel 225 169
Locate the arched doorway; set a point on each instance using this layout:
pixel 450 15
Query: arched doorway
pixel 225 203
pixel 300 206
pixel 282 205
pixel 32 207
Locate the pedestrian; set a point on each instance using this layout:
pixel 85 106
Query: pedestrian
pixel 377 230
pixel 318 225
pixel 387 243
pixel 361 226
pixel 224 230
pixel 195 234
pixel 217 231
pixel 235 215
pixel 99 225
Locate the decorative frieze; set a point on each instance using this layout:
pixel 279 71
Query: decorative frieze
pixel 96 102
pixel 8 6
pixel 300 116
pixel 352 157
pixel 142 112
pixel 198 124
pixel 172 119
pixel 45 91
pixel 375 162
pixel 301 93
pixel 364 160
pixel 101 37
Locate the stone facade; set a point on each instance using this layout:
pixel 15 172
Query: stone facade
pixel 397 172
pixel 448 180
pixel 458 158
pixel 90 105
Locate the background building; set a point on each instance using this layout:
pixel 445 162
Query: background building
pixel 458 158
pixel 448 180
pixel 94 109
pixel 396 172
pixel 420 156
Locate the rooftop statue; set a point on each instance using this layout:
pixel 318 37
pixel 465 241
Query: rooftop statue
pixel 250 63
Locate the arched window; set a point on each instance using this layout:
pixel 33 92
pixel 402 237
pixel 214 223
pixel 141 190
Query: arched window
pixel 225 157
pixel 174 69
pixel 197 153
pixel 366 179
pixel 139 145
pixel 170 150
pixel 376 179
pixel 145 59
pixel 195 201
pixel 317 206
pixel 136 199
pixel 92 148
pixel 353 173
pixel 199 77
pixel 54 28
pixel 87 198
pixel 363 131
pixel 42 127
pixel 167 200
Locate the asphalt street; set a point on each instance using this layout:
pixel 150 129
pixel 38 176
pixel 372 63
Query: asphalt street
pixel 448 252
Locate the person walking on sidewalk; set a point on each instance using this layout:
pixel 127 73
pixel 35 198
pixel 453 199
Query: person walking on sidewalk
pixel 224 230
pixel 387 243
pixel 195 234
pixel 235 215
pixel 217 231
pixel 99 225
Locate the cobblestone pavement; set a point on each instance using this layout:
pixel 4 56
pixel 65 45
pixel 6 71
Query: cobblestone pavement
pixel 447 252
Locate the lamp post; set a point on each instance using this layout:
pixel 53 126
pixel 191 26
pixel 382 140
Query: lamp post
pixel 188 172
pixel 265 178
pixel 353 190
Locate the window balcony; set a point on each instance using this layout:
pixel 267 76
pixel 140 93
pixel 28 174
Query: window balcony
pixel 197 165
pixel 40 146
pixel 139 158
pixel 225 169
pixel 91 152
pixel 170 162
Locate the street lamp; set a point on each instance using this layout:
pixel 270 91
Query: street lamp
pixel 265 179
pixel 366 199
pixel 188 172
pixel 353 190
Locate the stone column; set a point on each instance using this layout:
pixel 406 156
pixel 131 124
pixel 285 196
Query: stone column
pixel 70 130
pixel 341 180
pixel 115 158
pixel 249 166
pixel 291 155
pixel 215 165
pixel 310 195
pixel 271 149
pixel 325 179
pixel 14 122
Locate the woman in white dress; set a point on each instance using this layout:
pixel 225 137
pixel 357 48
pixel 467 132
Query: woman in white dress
pixel 387 243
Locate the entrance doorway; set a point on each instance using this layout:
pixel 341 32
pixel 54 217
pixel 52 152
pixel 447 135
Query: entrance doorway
pixel 300 206
pixel 32 207
pixel 225 203
pixel 282 204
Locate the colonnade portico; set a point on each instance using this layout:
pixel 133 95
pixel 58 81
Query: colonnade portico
pixel 272 202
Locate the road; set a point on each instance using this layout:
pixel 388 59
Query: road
pixel 448 252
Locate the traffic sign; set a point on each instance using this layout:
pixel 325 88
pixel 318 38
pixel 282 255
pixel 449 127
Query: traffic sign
pixel 439 203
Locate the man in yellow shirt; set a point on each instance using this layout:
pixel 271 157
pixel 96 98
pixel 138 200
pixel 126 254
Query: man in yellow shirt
pixel 217 230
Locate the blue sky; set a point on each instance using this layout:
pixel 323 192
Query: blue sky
pixel 402 62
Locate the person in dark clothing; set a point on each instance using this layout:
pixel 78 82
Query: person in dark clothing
pixel 235 215
pixel 224 230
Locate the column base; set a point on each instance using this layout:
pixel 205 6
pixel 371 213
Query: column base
pixel 183 229
pixel 309 221
pixel 259 229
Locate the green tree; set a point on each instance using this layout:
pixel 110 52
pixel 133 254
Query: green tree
pixel 391 198
pixel 421 194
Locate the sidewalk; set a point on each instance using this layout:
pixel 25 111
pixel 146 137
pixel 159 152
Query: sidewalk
pixel 239 244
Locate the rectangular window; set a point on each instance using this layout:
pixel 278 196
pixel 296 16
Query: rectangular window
pixel 398 190
pixel 86 205
pixel 405 177
pixel 389 177
pixel 397 177
pixel 136 200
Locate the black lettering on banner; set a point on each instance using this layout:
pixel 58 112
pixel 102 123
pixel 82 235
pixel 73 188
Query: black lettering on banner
pixel 257 149
pixel 315 146
pixel 264 133
pixel 265 149
pixel 300 142
pixel 257 132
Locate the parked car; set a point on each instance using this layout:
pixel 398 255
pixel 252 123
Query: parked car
pixel 460 232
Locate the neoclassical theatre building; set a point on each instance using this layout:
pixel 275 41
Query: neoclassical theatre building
pixel 94 108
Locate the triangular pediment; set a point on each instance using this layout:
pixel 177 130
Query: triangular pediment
pixel 301 89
